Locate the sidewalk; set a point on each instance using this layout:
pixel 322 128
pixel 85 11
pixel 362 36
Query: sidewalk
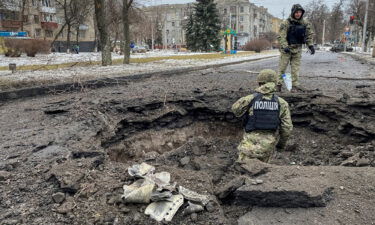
pixel 9 80
pixel 363 57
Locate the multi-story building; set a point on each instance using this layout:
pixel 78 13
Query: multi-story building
pixel 243 16
pixel 171 20
pixel 37 18
pixel 43 19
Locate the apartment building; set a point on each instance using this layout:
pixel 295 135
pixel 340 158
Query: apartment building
pixel 243 16
pixel 43 19
pixel 171 20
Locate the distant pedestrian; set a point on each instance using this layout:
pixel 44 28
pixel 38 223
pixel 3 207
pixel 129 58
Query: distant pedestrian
pixel 76 48
pixel 294 32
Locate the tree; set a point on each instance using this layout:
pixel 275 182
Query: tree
pixel 269 36
pixel 127 4
pixel 190 34
pixel 316 12
pixel 204 33
pixel 75 12
pixel 357 9
pixel 102 24
pixel 336 23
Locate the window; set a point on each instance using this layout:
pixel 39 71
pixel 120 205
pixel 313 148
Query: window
pixel 225 11
pixel 46 3
pixel 49 33
pixel 172 24
pixel 37 32
pixel 241 18
pixel 81 33
pixel 241 28
pixel 241 9
pixel 233 9
pixel 36 19
pixel 61 34
pixel 25 18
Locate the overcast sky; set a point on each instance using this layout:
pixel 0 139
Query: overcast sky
pixel 275 7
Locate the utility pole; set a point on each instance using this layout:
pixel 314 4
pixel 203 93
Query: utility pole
pixel 364 28
pixel 324 30
pixel 152 25
pixel 283 13
pixel 152 34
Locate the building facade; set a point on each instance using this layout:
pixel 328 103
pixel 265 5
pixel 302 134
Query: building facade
pixel 43 19
pixel 171 20
pixel 243 16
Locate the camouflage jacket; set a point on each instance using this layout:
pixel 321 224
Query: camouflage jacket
pixel 240 107
pixel 282 38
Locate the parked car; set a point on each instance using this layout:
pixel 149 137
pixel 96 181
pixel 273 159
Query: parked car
pixel 139 49
pixel 340 48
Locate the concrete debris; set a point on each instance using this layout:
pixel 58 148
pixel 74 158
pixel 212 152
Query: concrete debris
pixel 157 188
pixel 193 196
pixel 138 192
pixel 140 170
pixel 165 210
pixel 58 197
pixel 160 179
pixel 193 208
pixel 160 196
pixel 230 187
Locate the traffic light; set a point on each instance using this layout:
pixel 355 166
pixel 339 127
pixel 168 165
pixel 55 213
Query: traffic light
pixel 351 20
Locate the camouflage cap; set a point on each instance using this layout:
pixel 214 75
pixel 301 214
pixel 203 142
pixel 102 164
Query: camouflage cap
pixel 267 75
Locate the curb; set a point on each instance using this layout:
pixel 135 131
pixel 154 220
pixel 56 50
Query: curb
pixel 360 58
pixel 7 96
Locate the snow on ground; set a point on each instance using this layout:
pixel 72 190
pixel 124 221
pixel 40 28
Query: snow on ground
pixel 58 58
pixel 91 72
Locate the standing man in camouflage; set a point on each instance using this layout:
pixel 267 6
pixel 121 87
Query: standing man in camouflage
pixel 293 33
pixel 267 121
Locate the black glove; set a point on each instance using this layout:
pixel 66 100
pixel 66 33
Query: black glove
pixel 312 49
pixel 286 50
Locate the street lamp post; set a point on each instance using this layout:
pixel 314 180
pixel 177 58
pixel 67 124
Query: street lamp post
pixel 364 28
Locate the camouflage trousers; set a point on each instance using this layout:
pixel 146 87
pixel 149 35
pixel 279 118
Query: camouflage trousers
pixel 257 145
pixel 295 62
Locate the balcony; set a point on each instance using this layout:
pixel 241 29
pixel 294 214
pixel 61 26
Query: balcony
pixel 45 9
pixel 49 25
pixel 11 23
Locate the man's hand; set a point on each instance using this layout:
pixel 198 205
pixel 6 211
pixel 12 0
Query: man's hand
pixel 312 49
pixel 286 50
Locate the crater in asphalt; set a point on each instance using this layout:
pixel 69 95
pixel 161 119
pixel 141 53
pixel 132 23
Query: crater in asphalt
pixel 326 132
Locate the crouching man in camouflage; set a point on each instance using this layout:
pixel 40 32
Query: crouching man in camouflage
pixel 267 120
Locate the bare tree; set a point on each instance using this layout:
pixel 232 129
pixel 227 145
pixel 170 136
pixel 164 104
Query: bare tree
pixel 317 11
pixel 115 21
pixel 75 12
pixel 127 4
pixel 102 24
pixel 336 23
pixel 357 8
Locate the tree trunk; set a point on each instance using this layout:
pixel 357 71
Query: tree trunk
pixel 125 21
pixel 77 36
pixel 22 12
pixel 68 39
pixel 58 33
pixel 373 49
pixel 101 20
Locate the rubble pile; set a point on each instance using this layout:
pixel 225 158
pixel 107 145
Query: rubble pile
pixel 166 199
